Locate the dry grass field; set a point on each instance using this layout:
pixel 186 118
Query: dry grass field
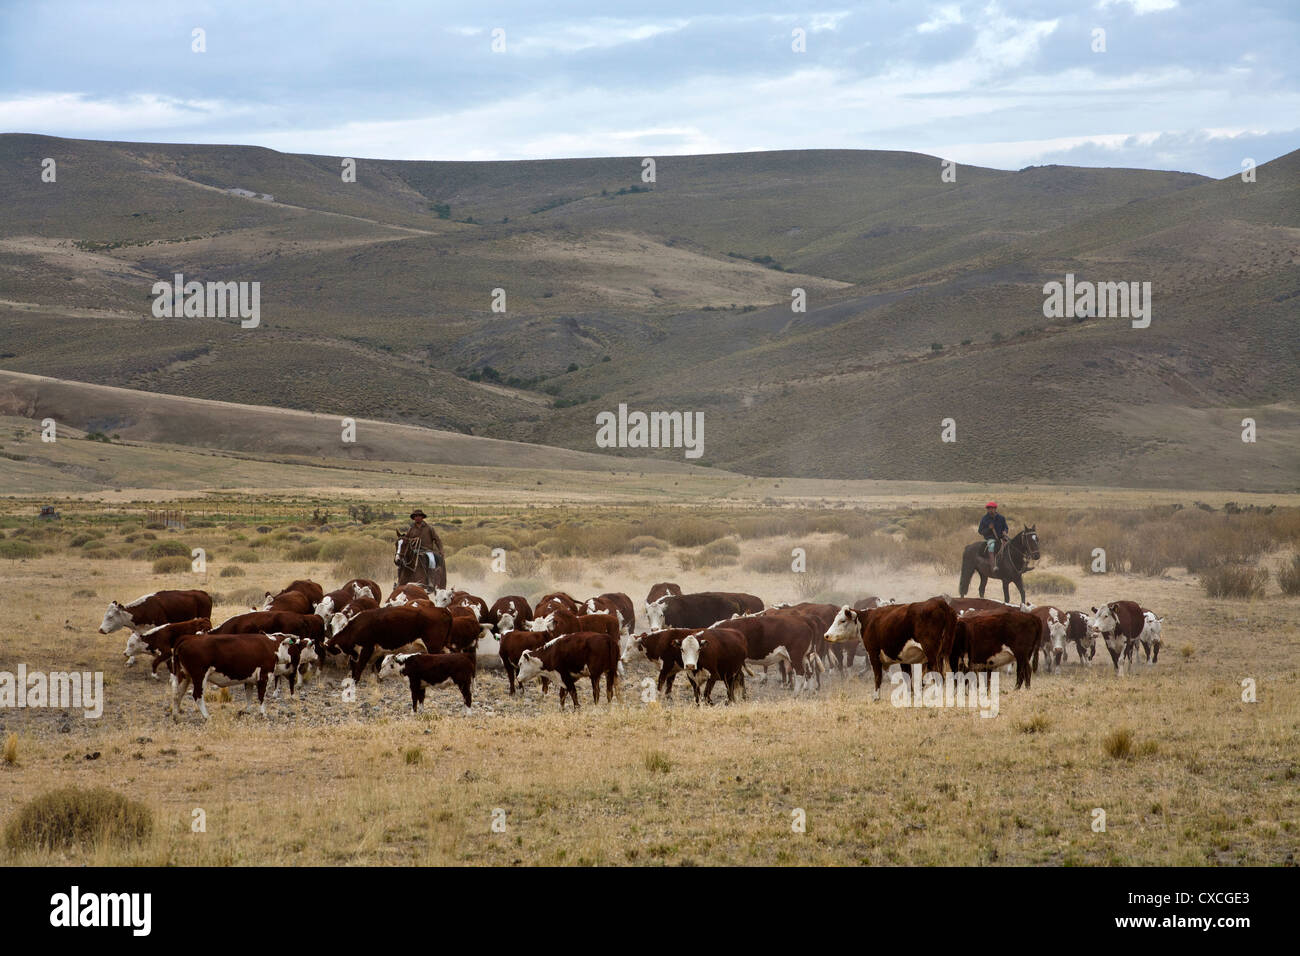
pixel 1185 771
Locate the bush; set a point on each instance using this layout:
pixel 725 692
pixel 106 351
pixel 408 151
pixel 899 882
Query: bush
pixel 14 549
pixel 363 558
pixel 247 556
pixel 526 562
pixel 69 816
pixel 1289 576
pixel 231 571
pixel 465 569
pixel 1051 583
pixel 1234 581
pixel 565 569
pixel 167 549
pixel 171 564
pixel 304 552
pixel 769 562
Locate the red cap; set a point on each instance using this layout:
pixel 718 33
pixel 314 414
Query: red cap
pixel 991 504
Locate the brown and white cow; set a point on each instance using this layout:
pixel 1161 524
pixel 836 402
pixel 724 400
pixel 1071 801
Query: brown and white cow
pixel 653 646
pixel 160 607
pixel 697 610
pixel 431 670
pixel 158 641
pixel 903 634
pixel 406 592
pixel 1119 624
pixel 293 601
pixel 339 619
pixel 508 613
pixel 558 621
pixel 565 659
pixel 662 588
pixel 1150 635
pixel 710 655
pixel 223 660
pixel 397 629
pixel 784 637
pixel 822 616
pixel 355 590
pixel 967 605
pixel 513 645
pixel 274 622
pixel 557 599
pixel 313 591
pixel 448 597
pixel 987 640
pixel 293 655
pixel 616 603
pixel 1054 631
pixel 1077 630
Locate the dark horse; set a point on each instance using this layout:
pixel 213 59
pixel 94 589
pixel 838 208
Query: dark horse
pixel 1012 563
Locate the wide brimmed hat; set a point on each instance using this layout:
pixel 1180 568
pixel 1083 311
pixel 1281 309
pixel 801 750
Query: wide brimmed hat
pixel 417 513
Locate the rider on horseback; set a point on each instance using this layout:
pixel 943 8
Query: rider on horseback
pixel 993 528
pixel 422 540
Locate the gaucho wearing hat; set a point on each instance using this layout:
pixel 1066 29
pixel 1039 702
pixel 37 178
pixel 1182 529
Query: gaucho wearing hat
pixel 429 568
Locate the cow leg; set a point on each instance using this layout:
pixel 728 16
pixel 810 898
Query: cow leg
pixel 359 665
pixel 465 694
pixel 612 686
pixel 261 695
pixel 572 688
pixel 198 685
pixel 877 670
pixel 180 684
pixel 708 689
pixel 160 659
pixel 1023 671
pixel 595 687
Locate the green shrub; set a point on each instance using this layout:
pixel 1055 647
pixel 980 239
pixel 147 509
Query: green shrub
pixel 167 549
pixel 70 816
pixel 246 556
pixel 232 571
pixel 171 564
pixel 304 552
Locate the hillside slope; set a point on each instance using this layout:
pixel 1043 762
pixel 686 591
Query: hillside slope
pixel 924 302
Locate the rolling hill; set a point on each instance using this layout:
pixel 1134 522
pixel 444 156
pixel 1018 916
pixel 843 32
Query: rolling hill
pixel 924 303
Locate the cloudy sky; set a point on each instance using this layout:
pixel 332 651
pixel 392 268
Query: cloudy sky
pixel 1193 85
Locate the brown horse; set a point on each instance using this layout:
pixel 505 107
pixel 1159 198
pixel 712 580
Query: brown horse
pixel 1013 562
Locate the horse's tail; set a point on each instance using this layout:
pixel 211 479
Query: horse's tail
pixel 967 572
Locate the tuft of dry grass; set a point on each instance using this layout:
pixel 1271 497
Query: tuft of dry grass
pixel 70 816
pixel 1119 743
pixel 10 753
pixel 1288 578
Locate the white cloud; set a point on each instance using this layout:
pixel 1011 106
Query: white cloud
pixel 1141 7
pixel 946 16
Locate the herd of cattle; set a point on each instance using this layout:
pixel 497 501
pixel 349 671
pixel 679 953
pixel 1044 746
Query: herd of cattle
pixel 440 636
